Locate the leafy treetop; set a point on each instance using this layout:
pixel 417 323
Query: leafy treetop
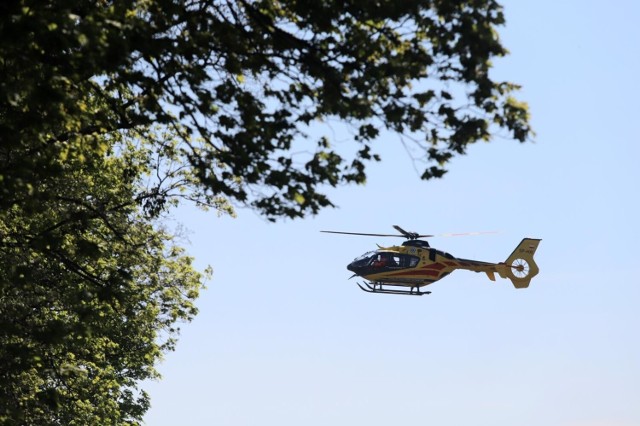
pixel 241 81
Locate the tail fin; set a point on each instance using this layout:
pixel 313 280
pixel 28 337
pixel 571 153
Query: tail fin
pixel 520 266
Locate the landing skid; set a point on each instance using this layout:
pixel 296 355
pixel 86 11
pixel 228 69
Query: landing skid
pixel 377 287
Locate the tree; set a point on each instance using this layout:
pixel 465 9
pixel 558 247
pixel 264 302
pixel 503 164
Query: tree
pixel 90 295
pixel 112 110
pixel 241 80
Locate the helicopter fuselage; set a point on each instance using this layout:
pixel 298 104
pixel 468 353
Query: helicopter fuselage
pixel 415 264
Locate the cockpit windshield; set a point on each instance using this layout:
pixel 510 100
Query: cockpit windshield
pixel 381 261
pixel 363 259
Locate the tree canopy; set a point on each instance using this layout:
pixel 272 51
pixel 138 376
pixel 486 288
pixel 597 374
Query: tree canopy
pixel 239 81
pixel 90 294
pixel 112 110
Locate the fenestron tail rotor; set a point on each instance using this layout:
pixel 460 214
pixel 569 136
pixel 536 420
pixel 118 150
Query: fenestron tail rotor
pixel 520 266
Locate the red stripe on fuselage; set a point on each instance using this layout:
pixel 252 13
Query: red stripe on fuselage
pixel 414 272
pixel 430 270
pixel 436 266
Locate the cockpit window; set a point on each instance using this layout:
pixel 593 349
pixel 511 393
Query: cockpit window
pixel 383 261
pixel 364 260
pixel 364 256
pixel 394 260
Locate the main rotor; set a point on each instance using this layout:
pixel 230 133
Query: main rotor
pixel 402 233
pixel 406 234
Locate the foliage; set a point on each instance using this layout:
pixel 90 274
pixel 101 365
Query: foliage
pixel 90 292
pixel 112 110
pixel 241 80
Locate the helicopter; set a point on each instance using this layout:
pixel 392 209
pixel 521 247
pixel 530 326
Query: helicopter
pixel 405 269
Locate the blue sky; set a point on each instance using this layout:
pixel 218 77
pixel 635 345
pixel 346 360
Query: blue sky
pixel 283 338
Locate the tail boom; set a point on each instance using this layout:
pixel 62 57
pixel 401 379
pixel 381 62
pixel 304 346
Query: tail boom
pixel 519 266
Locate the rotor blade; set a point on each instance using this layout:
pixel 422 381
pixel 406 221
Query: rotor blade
pixel 402 231
pixel 411 235
pixel 361 233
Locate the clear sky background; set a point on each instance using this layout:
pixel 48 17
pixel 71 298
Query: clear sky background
pixel 283 338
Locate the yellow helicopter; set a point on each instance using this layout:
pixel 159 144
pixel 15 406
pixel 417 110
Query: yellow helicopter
pixel 405 269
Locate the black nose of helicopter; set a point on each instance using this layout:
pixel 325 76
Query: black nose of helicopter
pixel 360 264
pixel 356 269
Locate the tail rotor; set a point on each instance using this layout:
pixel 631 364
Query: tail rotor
pixel 520 266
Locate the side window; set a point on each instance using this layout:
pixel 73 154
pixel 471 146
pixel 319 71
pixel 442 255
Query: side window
pixel 408 261
pixel 432 255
